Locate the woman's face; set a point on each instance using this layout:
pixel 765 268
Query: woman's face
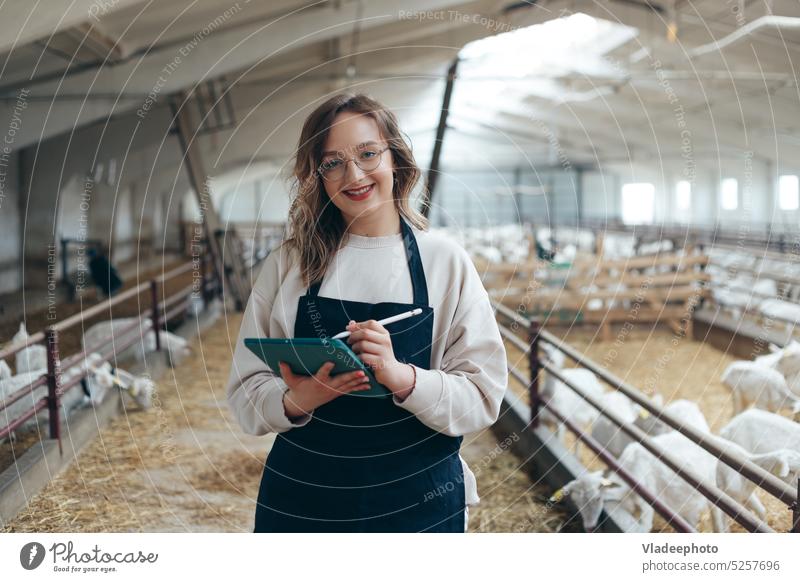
pixel 358 193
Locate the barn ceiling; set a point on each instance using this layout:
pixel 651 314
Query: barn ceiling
pixel 589 81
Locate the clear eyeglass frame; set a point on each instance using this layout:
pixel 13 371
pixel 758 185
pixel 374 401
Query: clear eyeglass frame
pixel 338 172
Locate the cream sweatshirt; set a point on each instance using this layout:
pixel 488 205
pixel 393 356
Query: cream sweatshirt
pixel 462 391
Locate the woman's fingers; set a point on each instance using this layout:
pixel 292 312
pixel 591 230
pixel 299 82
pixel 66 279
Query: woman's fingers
pixel 368 347
pixel 365 334
pixel 356 384
pixel 372 324
pixel 339 380
pixel 372 360
pixel 341 383
pixel 286 373
pixel 369 324
pixel 324 372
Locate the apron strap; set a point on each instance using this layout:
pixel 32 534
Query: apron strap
pixel 418 282
pixel 314 289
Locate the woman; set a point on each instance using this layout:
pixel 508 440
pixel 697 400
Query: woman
pixel 356 253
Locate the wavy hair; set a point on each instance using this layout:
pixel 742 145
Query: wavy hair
pixel 316 228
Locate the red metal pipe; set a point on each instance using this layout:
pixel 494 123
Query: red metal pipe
pixel 535 366
pixel 53 385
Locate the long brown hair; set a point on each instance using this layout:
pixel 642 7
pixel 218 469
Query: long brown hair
pixel 316 227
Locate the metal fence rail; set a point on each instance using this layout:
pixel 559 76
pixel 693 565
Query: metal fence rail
pixel 108 347
pixel 745 467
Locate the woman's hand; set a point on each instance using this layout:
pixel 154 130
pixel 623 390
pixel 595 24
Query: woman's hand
pixel 308 392
pixel 373 345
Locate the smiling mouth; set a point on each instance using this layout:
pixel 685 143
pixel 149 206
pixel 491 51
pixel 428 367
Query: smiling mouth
pixel 359 193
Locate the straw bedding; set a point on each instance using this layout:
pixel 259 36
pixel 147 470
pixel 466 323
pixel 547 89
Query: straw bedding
pixel 510 501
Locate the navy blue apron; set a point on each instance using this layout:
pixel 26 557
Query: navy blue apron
pixel 363 464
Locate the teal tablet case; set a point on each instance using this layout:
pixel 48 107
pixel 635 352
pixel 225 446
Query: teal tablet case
pixel 306 355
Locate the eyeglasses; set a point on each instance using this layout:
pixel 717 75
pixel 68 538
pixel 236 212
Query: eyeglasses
pixel 368 159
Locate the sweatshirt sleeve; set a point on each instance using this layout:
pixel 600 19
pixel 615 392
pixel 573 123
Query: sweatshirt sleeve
pixel 464 395
pixel 255 392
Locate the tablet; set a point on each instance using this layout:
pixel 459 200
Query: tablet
pixel 306 355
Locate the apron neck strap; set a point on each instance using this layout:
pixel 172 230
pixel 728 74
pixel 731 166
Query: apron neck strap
pixel 418 282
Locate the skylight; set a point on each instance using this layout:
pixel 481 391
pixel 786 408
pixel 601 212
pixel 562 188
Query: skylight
pixel 530 59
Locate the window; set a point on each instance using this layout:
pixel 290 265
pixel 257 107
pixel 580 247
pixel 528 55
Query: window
pixel 788 198
pixel 730 194
pixel 683 195
pixel 638 203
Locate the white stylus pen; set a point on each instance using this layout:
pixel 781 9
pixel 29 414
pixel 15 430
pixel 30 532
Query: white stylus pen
pixel 386 321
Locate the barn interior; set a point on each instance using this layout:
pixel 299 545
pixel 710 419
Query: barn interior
pixel 624 176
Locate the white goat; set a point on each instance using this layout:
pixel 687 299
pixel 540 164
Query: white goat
pixel 760 431
pixel 787 361
pixel 589 493
pixel 783 463
pixel 31 358
pixel 608 434
pixel 567 401
pixel 106 332
pixel 615 440
pixel 685 410
pixel 754 383
pixel 5 370
pixel 784 311
pixel 140 388
pixel 97 382
pixel 654 475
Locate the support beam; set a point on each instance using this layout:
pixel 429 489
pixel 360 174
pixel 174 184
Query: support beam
pixel 433 172
pixel 231 264
pixel 88 36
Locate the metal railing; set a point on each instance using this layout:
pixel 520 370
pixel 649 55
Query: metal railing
pixel 719 498
pixel 731 234
pixel 108 346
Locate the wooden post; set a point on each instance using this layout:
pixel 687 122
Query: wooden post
pixel 53 385
pixel 535 367
pixel 187 136
pixel 796 511
pixel 599 243
pixel 154 312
